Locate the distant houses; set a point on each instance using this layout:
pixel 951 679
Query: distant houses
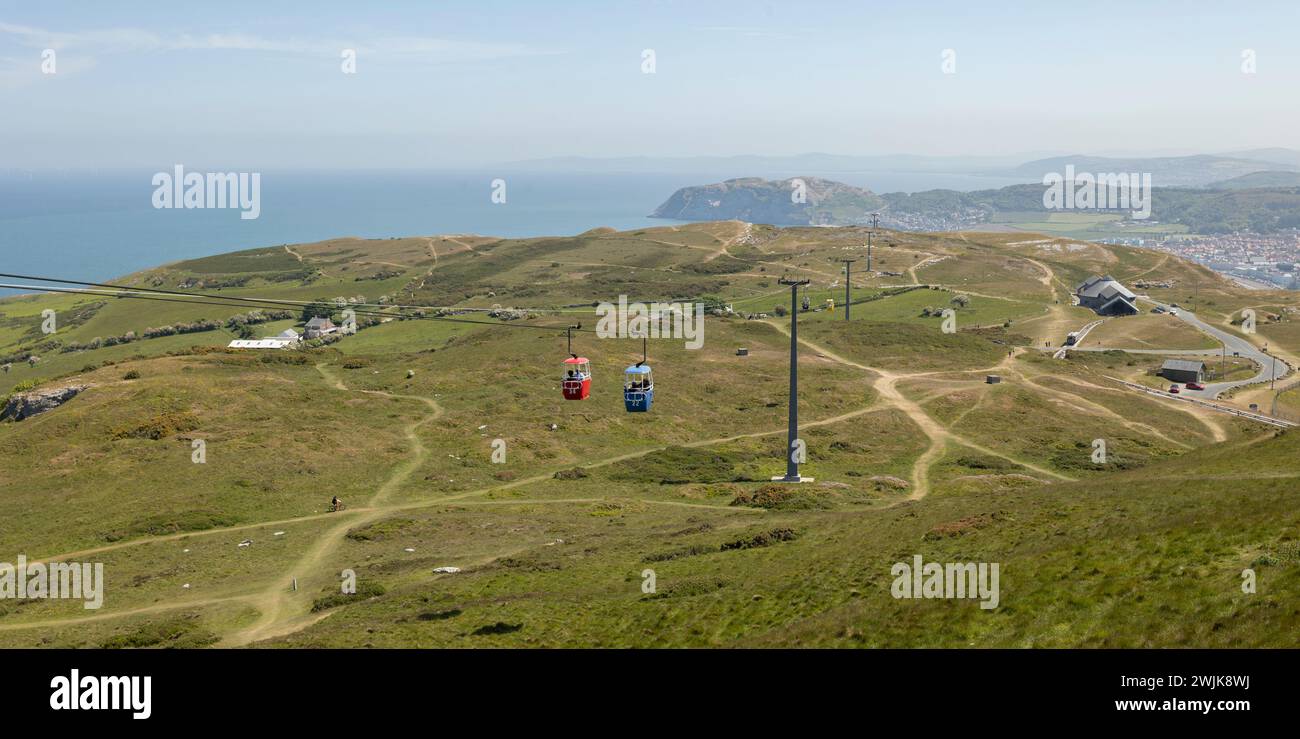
pixel 318 327
pixel 1106 297
pixel 289 338
pixel 1182 370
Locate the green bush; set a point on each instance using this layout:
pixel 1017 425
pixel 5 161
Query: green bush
pixel 764 539
pixel 366 589
pixel 158 427
pixel 173 633
pixel 781 498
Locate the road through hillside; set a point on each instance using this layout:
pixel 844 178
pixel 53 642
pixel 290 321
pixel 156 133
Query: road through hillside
pixel 1270 368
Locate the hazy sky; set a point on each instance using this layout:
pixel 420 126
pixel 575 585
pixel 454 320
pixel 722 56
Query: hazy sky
pixel 259 84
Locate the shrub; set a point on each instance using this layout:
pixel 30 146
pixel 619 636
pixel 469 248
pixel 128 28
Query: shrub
pixel 688 587
pixel 173 633
pixel 764 539
pixel 780 497
pixel 161 425
pixel 690 551
pixel 380 530
pixel 365 589
pixel 439 615
pixel 500 627
pixel 131 375
pixel 25 386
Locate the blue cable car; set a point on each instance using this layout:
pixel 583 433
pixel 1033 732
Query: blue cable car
pixel 638 388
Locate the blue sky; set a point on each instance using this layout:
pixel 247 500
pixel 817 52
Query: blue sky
pixel 258 84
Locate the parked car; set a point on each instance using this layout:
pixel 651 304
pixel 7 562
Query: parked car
pixel 1195 386
pixel 1173 388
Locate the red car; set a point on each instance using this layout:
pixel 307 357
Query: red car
pixel 1173 388
pixel 1195 386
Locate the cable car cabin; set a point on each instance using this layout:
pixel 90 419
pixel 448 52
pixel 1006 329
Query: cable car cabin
pixel 577 378
pixel 638 389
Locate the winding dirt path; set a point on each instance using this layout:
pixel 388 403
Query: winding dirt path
pixel 284 611
pixel 886 386
pixel 282 608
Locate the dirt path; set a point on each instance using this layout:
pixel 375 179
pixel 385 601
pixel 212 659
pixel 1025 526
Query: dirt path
pixel 433 253
pixel 1206 417
pixel 886 386
pixel 157 608
pixel 1163 258
pixel 278 599
pixel 283 611
pixel 744 232
pixel 301 261
pixel 932 259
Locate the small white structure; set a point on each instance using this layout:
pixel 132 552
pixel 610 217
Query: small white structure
pixel 284 340
pixel 261 344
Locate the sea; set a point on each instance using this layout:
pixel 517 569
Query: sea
pixel 98 225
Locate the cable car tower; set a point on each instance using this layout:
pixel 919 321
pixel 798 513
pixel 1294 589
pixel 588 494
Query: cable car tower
pixel 794 449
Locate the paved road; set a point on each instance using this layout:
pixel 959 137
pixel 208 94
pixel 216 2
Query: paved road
pixel 1078 339
pixel 1236 345
pixel 1179 352
pixel 1206 404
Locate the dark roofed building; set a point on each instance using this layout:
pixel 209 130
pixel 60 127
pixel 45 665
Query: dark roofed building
pixel 1106 297
pixel 1182 370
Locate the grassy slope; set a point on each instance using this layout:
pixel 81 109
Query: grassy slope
pixel 1144 551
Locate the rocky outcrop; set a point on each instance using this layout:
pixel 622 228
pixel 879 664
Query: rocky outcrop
pixel 796 201
pixel 26 405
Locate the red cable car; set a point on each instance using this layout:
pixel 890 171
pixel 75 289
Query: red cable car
pixel 577 378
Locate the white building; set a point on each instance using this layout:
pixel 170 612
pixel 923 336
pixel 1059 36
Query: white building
pixel 276 343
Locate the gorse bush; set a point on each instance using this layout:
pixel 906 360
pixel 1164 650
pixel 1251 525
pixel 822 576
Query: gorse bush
pixel 158 427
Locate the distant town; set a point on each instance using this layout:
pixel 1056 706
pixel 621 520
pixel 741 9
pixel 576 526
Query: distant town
pixel 1258 261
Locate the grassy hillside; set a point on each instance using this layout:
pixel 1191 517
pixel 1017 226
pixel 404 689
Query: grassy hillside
pixel 912 452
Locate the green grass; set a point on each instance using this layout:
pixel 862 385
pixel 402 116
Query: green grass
pixel 1145 550
pixel 912 345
